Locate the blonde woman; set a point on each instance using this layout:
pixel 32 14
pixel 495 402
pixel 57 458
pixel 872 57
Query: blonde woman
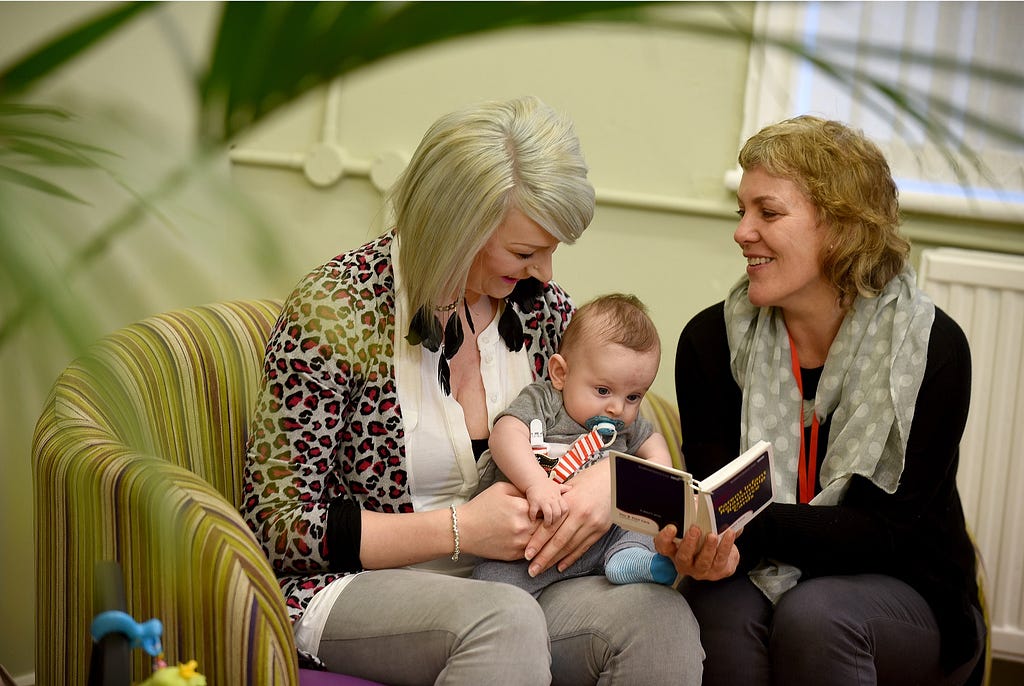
pixel 383 377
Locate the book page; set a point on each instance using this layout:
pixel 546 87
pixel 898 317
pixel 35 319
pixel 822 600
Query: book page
pixel 647 496
pixel 744 493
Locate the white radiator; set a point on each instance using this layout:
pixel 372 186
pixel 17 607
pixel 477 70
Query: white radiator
pixel 984 293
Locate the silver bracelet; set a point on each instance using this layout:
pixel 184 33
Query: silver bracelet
pixel 455 531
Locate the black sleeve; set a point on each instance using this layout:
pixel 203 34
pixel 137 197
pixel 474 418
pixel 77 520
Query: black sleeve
pixel 344 535
pixel 870 531
pixel 706 394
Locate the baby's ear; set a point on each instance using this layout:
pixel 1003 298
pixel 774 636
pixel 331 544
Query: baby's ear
pixel 557 369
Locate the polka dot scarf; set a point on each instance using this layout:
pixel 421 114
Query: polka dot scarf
pixel 869 386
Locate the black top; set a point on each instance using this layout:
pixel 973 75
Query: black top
pixel 479 446
pixel 917 534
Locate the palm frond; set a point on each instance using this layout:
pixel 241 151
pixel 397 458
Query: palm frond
pixel 16 176
pixel 42 62
pixel 267 54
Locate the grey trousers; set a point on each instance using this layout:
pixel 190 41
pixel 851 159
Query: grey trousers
pixel 835 630
pixel 411 627
pixel 592 562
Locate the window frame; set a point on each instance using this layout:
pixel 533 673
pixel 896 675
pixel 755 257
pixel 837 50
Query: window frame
pixel 778 84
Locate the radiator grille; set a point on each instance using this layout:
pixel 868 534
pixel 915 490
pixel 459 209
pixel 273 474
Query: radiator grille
pixel 984 293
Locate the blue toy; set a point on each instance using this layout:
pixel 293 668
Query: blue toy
pixel 145 635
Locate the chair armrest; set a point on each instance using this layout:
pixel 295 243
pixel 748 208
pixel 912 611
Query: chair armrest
pixel 187 557
pixel 665 417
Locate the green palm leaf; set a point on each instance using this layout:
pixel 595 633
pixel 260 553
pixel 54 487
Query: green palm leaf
pixel 16 176
pixel 267 54
pixel 29 70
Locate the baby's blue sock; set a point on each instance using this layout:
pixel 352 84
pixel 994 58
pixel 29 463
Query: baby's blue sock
pixel 639 565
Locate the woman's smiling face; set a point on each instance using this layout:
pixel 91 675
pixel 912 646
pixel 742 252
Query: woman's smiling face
pixel 518 249
pixel 782 239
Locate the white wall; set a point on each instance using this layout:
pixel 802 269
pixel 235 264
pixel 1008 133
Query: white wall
pixel 650 119
pixel 657 114
pixel 131 96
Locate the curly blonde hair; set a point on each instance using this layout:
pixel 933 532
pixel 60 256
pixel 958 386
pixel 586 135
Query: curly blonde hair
pixel 848 180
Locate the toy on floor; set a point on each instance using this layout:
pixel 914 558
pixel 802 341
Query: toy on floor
pixel 182 675
pixel 146 635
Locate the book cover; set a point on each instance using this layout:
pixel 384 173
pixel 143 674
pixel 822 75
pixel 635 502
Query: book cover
pixel 647 496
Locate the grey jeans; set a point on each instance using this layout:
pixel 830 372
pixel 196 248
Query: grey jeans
pixel 856 630
pixel 412 627
pixel 592 562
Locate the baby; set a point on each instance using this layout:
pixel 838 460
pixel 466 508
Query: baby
pixel 607 361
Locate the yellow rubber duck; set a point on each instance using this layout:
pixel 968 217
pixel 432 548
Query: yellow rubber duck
pixel 182 675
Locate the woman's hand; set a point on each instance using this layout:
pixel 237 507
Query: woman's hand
pixel 716 559
pixel 588 519
pixel 496 523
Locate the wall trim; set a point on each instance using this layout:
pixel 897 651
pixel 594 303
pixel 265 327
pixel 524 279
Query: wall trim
pixel 385 169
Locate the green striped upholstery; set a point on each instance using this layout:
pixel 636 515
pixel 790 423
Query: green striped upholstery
pixel 137 458
pixel 985 676
pixel 665 416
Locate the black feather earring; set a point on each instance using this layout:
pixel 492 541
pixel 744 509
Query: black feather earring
pixel 469 316
pixel 510 328
pixel 425 328
pixel 524 296
pixel 453 341
pixel 453 337
pixel 444 375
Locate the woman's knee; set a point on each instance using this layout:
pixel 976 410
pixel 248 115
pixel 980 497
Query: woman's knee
pixel 735 619
pixel 809 614
pixel 502 634
pixel 634 633
pixel 826 626
pixel 664 612
pixel 500 611
pixel 863 625
pixel 850 608
pixel 406 627
pixel 665 646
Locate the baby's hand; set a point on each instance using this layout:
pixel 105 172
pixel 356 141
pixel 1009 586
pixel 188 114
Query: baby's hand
pixel 546 501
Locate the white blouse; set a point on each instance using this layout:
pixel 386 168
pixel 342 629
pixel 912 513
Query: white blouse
pixel 438 450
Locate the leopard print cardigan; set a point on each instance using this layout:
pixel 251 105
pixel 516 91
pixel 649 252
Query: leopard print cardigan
pixel 327 421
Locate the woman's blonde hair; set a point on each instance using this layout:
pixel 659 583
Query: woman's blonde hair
pixel 470 168
pixel 847 178
pixel 618 318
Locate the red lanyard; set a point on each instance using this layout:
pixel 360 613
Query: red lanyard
pixel 808 466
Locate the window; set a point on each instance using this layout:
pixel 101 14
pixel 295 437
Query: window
pixel 955 62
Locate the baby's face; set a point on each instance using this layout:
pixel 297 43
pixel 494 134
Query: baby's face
pixel 607 379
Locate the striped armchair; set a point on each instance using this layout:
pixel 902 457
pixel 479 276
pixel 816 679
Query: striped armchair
pixel 137 459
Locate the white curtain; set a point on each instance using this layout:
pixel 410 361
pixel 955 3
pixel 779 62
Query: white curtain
pixel 891 42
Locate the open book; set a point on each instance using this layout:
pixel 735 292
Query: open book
pixel 647 496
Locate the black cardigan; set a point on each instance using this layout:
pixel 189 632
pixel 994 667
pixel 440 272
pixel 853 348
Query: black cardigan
pixel 917 534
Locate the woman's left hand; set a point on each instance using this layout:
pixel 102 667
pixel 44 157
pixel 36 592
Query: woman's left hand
pixel 588 518
pixel 716 559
